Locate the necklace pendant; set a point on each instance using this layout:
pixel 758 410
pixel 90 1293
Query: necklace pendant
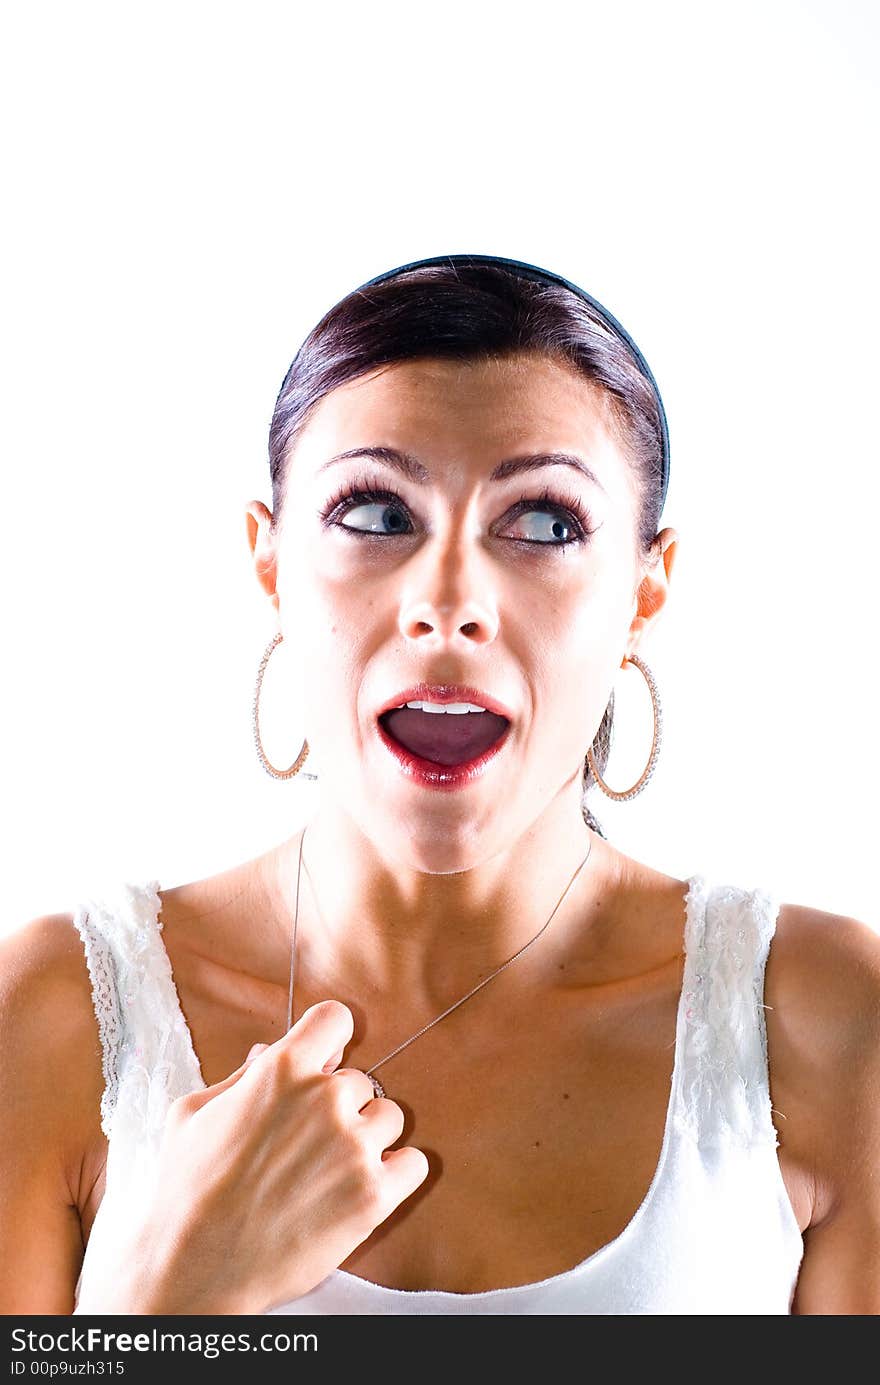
pixel 378 1089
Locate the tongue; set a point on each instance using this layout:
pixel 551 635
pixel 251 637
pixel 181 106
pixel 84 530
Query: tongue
pixel 447 738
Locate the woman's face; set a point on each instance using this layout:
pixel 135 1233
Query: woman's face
pixel 457 578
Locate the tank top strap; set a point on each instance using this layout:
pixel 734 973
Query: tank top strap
pixel 724 1086
pixel 146 1046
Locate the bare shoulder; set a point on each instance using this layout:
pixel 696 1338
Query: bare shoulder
pixel 822 991
pixel 51 1080
pixel 50 1039
pixel 825 970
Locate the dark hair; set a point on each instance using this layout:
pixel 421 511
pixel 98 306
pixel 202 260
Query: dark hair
pixel 472 313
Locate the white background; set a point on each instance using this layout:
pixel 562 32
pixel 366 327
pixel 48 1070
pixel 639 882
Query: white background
pixel 189 187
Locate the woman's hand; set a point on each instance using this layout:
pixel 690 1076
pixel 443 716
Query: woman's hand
pixel 268 1180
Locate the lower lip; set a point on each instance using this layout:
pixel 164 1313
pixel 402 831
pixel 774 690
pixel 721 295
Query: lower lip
pixel 433 776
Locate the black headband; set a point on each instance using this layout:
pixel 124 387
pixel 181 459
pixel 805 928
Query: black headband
pixel 530 271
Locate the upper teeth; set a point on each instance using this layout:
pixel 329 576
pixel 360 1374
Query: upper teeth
pixel 456 708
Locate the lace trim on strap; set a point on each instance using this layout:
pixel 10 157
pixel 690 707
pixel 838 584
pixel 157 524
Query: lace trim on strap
pixel 105 998
pixel 725 1090
pixel 148 1055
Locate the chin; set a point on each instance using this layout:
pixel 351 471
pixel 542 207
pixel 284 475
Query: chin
pixel 434 842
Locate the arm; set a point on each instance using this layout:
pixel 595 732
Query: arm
pixel 826 1019
pixel 50 1091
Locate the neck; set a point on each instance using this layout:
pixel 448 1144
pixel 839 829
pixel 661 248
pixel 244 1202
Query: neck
pixel 418 921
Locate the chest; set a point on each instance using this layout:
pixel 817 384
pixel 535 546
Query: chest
pixel 539 1154
pixel 543 1129
pixel 542 1135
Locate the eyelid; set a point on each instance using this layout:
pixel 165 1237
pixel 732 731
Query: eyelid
pixel 365 489
pixel 366 482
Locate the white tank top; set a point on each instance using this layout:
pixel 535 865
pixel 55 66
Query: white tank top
pixel 715 1233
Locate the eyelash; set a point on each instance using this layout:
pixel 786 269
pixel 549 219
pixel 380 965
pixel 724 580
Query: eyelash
pixel 364 490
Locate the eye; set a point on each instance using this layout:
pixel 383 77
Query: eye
pixel 381 516
pixel 559 521
pixel 548 526
pixel 556 521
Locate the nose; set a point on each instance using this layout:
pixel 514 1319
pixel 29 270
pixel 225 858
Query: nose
pixel 448 598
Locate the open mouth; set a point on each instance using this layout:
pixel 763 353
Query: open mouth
pixel 445 738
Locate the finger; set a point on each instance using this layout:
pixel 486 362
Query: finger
pixel 384 1121
pixel 194 1101
pixel 409 1167
pixel 355 1086
pixel 333 1063
pixel 319 1034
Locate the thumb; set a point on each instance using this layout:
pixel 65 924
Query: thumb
pixel 333 1063
pixel 196 1100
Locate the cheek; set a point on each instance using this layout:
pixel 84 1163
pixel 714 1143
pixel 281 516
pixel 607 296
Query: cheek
pixel 322 602
pixel 337 641
pixel 574 651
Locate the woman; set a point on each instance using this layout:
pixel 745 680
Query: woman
pixel 448 1050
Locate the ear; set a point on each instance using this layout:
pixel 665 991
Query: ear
pixel 262 546
pixel 653 589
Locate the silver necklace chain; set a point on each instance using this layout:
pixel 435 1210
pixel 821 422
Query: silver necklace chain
pixel 377 1086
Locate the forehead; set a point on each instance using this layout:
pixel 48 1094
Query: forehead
pixel 452 414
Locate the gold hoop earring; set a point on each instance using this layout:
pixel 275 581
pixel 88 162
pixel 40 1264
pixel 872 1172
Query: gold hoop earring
pixel 301 757
pixel 655 743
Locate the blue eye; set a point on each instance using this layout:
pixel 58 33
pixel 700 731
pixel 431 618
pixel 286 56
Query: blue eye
pixel 388 517
pixel 383 510
pixel 556 524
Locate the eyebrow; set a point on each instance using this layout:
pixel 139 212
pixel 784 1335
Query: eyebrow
pixel 417 472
